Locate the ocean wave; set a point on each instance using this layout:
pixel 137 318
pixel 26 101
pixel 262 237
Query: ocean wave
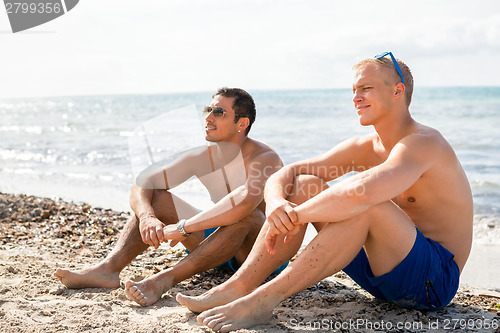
pixel 486 229
pixel 485 184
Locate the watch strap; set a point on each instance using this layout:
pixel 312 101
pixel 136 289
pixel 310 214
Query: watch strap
pixel 180 228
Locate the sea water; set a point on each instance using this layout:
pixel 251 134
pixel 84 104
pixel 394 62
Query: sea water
pixel 77 148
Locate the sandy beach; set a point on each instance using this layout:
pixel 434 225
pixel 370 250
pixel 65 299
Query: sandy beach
pixel 38 235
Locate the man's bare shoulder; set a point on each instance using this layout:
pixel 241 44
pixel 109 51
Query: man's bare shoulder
pixel 428 139
pixel 256 148
pixel 355 143
pixel 359 147
pixel 427 131
pixel 253 150
pixel 364 141
pixel 427 147
pixel 353 154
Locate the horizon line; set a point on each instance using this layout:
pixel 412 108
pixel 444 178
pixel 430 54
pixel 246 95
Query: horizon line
pixel 210 91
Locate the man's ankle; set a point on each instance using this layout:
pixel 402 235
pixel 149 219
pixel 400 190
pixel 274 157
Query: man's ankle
pixel 108 267
pixel 241 287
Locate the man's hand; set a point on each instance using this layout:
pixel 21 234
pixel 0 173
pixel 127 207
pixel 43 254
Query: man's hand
pixel 271 237
pixel 281 219
pixel 151 231
pixel 170 232
pixel 281 216
pixel 270 240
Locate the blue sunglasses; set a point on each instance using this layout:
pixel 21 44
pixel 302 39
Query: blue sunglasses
pixel 398 69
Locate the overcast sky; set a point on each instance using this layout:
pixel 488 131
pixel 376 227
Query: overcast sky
pixel 154 46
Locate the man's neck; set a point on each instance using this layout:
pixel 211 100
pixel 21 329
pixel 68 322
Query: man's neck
pixel 238 140
pixel 391 130
pixel 231 148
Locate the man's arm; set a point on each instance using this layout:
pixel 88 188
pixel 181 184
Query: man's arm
pixel 347 156
pixel 166 175
pixel 150 227
pixel 408 161
pixel 159 176
pixel 237 204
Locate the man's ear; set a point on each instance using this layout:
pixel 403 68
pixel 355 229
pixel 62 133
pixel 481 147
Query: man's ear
pixel 243 124
pixel 399 91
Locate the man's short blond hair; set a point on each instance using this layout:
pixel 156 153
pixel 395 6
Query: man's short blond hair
pixel 386 64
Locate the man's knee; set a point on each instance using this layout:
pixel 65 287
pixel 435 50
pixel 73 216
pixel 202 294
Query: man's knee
pixel 306 187
pixel 164 207
pixel 246 228
pixel 385 219
pixel 382 211
pixel 160 196
pixel 256 218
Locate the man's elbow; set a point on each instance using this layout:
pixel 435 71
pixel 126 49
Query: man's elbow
pixel 248 202
pixel 366 198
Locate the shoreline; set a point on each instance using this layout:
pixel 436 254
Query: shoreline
pixel 37 235
pixel 474 272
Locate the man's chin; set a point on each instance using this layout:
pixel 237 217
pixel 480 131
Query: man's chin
pixel 364 122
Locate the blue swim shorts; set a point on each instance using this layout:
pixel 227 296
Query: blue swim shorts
pixel 427 279
pixel 232 264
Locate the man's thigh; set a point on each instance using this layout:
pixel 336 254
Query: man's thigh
pixel 391 235
pixel 384 231
pixel 427 278
pixel 254 221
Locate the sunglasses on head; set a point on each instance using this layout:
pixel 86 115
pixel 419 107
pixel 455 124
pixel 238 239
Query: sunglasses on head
pixel 217 111
pixel 398 69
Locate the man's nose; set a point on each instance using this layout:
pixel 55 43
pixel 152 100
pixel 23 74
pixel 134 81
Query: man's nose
pixel 210 117
pixel 356 97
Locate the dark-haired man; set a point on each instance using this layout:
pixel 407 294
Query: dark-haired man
pixel 221 235
pixel 401 227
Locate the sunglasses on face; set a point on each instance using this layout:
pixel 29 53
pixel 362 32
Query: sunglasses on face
pixel 217 111
pixel 398 69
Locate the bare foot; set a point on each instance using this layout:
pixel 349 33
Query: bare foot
pixel 147 291
pixel 242 313
pixel 220 295
pixel 91 277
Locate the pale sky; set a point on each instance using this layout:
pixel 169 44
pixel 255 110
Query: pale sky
pixel 153 46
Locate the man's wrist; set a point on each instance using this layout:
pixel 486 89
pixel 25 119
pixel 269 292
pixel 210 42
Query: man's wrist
pixel 146 216
pixel 300 216
pixel 180 228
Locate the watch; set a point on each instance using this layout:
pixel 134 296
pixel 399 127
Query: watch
pixel 180 228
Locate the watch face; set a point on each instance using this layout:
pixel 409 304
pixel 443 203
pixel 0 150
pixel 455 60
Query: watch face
pixel 180 228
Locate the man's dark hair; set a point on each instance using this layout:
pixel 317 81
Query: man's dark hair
pixel 243 104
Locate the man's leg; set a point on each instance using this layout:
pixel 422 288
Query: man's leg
pixel 225 243
pixel 260 263
pixel 106 273
pixel 386 233
pixel 258 266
